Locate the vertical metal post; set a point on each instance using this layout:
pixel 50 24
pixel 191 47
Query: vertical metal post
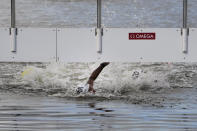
pixel 185 29
pixel 184 13
pixel 99 30
pixel 99 13
pixel 13 16
pixel 13 29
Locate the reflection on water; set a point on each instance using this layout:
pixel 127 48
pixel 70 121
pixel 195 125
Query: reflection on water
pixel 51 114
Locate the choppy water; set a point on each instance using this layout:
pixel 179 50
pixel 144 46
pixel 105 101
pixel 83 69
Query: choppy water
pixel 163 97
pixel 116 82
pixel 82 13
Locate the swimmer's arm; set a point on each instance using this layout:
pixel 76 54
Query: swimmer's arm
pixel 96 72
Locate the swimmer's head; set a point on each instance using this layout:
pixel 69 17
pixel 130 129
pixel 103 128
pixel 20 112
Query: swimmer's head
pixel 79 90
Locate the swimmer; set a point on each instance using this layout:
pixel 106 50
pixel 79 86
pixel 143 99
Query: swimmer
pixel 92 78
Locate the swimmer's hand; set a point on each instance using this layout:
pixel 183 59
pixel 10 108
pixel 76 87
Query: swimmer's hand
pixel 104 64
pixel 92 90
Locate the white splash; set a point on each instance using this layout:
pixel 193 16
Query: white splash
pixel 115 79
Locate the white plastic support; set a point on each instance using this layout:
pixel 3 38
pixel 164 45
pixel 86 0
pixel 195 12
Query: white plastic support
pixel 99 39
pixel 13 39
pixel 185 40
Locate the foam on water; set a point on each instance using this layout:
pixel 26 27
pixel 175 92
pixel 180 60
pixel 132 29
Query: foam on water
pixel 116 80
pixel 138 83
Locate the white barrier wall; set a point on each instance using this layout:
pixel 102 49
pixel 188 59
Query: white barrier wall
pixel 33 45
pixel 76 45
pixel 36 45
pixel 192 54
pixel 79 45
pixel 166 47
pixel 5 47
